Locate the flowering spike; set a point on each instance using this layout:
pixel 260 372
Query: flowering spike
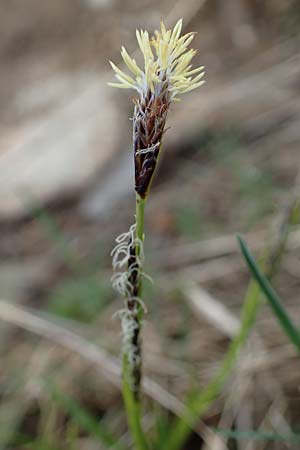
pixel 167 72
pixel 166 63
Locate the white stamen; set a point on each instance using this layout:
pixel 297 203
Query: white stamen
pixel 150 149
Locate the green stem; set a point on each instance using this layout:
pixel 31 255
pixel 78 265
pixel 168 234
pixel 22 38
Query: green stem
pixel 130 395
pixel 140 204
pixel 133 410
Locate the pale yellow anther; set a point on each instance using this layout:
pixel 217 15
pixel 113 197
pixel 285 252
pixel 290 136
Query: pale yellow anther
pixel 130 62
pixel 166 58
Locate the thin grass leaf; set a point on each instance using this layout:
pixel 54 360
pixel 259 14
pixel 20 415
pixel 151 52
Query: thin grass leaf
pixel 85 420
pixel 198 403
pixel 275 302
pixel 162 426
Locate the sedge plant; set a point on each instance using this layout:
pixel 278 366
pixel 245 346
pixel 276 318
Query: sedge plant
pixel 167 73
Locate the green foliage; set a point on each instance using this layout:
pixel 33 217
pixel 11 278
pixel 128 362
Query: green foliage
pixel 188 221
pixel 295 216
pixel 255 189
pixel 273 299
pixel 81 298
pixel 85 420
pixel 48 435
pixel 133 408
pixel 83 295
pixel 162 427
pixel 253 181
pixel 290 19
pixel 254 186
pixel 56 236
pixel 199 402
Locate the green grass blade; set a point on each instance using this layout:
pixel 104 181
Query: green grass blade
pixel 271 296
pixel 199 402
pixel 85 420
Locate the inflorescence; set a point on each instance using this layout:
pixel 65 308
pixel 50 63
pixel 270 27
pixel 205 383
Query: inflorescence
pixel 167 72
pixel 167 61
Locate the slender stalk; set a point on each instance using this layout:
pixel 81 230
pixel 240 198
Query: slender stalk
pixel 133 409
pixel 132 374
pixel 167 73
pixel 140 204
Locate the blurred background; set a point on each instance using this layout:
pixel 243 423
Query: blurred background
pixel 230 159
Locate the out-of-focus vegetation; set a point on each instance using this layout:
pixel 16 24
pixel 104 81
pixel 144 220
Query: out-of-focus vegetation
pixel 230 161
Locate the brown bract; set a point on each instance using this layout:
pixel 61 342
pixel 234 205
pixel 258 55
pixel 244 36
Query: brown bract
pixel 149 119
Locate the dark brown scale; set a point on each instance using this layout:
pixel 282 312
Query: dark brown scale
pixel 148 127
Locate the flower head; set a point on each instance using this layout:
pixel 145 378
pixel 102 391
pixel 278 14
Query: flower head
pixel 167 72
pixel 167 64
